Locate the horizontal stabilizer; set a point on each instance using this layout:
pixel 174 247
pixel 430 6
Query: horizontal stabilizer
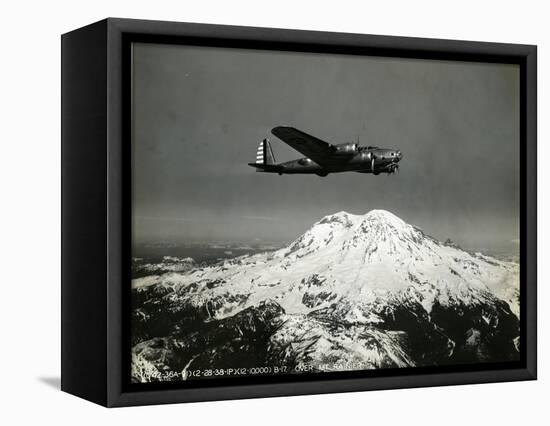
pixel 266 167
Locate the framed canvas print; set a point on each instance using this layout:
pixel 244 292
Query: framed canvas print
pixel 253 212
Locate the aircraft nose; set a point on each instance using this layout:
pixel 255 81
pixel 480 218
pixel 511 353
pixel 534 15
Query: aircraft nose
pixel 399 155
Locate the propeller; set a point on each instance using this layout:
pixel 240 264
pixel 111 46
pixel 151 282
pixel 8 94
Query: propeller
pixel 371 157
pixel 394 168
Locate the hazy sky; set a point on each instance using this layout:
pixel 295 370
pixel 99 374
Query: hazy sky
pixel 199 114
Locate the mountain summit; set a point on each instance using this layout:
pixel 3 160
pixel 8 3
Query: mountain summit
pixel 368 289
pixel 375 234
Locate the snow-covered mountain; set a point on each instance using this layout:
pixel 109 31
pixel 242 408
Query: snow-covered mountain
pixel 353 292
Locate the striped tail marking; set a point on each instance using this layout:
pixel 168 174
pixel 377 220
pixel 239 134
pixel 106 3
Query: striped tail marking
pixel 264 155
pixel 260 154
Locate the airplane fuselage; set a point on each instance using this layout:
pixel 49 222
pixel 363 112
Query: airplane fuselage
pixel 362 162
pixel 323 158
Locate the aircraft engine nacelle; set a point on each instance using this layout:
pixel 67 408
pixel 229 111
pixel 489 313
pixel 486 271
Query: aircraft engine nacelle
pixel 346 149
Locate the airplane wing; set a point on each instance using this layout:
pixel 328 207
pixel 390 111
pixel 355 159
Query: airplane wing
pixel 313 148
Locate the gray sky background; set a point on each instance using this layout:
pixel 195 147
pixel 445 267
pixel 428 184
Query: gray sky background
pixel 199 114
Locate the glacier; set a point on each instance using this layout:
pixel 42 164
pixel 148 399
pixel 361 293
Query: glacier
pixel 353 292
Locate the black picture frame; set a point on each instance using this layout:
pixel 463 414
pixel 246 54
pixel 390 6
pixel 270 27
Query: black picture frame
pixel 96 208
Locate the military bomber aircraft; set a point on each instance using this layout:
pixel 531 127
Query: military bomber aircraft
pixel 322 158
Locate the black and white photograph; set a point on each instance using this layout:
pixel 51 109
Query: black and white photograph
pixel 303 214
pixel 275 213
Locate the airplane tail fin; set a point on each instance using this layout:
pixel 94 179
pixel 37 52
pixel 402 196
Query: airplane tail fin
pixel 264 155
pixel 265 160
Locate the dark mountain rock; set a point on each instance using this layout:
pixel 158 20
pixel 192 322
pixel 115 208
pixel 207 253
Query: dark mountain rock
pixel 351 293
